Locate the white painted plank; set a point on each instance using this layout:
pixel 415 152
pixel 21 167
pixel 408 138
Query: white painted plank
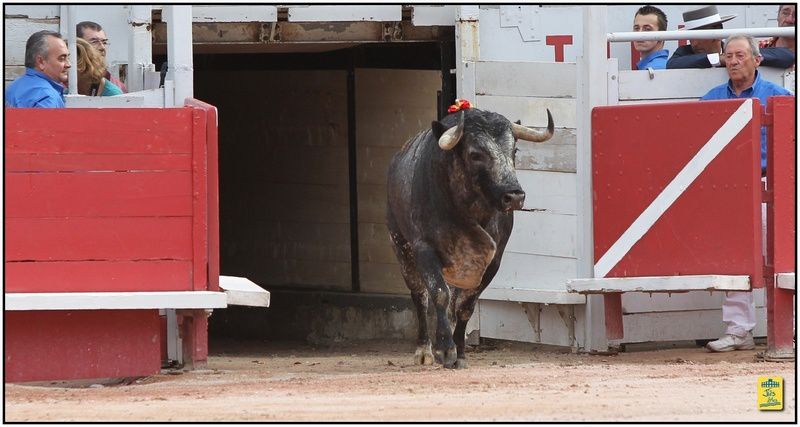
pixel 555 155
pixel 641 302
pixel 114 300
pixel 685 83
pixel 544 233
pixel 119 101
pixel 659 284
pixel 241 291
pixel 532 295
pixel 553 192
pixel 33 12
pixel 424 15
pixel 250 13
pixel 531 111
pixel 152 98
pixel 534 79
pixel 680 326
pixel 785 280
pixel 340 13
pixel 16 33
pixel 525 271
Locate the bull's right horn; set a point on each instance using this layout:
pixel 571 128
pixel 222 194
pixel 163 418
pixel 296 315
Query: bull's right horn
pixel 450 138
pixel 528 134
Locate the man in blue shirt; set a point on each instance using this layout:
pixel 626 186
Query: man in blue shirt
pixel 651 53
pixel 46 67
pixel 742 57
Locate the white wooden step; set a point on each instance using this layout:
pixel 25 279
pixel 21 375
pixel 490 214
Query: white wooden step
pixel 532 295
pixel 114 300
pixel 659 284
pixel 242 291
pixel 785 280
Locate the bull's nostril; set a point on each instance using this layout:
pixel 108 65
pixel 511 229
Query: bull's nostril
pixel 513 199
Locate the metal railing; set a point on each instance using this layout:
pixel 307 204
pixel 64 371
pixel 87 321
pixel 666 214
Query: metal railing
pixel 632 36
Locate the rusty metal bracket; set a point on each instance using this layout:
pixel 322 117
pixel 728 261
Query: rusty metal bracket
pixel 567 313
pixel 392 32
pixel 534 313
pixel 270 32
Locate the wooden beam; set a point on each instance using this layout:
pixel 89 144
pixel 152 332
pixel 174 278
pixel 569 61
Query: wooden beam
pixel 660 284
pixel 113 300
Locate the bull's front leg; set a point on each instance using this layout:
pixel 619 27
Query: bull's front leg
pixel 430 268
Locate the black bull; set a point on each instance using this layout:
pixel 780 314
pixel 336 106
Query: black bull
pixel 449 216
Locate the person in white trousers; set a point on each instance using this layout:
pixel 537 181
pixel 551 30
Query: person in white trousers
pixel 742 60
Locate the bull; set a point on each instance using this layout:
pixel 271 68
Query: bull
pixel 450 214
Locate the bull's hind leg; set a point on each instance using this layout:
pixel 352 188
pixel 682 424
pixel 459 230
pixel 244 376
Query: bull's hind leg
pixel 419 295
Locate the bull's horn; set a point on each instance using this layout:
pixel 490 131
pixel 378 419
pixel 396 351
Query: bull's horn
pixel 450 138
pixel 528 134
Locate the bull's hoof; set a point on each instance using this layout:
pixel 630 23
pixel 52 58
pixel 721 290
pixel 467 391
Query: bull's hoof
pixel 447 358
pixel 423 355
pixel 461 364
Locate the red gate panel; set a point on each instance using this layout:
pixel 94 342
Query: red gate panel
pixel 677 189
pixel 106 199
pixel 781 223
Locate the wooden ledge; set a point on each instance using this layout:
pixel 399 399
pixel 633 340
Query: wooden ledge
pixel 531 295
pixel 114 300
pixel 659 284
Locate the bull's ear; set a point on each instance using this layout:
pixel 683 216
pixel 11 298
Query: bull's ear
pixel 519 122
pixel 438 129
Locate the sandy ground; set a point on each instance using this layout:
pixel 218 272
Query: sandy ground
pixel 377 381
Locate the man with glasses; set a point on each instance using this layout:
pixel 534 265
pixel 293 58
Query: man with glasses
pixel 786 18
pixel 93 33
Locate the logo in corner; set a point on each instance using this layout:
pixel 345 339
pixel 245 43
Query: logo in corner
pixel 770 393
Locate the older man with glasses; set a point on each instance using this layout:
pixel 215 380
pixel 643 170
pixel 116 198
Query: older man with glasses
pixel 93 33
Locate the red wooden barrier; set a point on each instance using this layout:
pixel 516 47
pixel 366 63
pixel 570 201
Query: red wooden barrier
pixel 102 200
pixel 676 203
pixel 781 224
pixel 633 168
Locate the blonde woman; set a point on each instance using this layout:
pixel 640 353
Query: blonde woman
pixel 91 72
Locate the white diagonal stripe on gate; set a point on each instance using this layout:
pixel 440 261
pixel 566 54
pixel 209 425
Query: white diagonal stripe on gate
pixel 735 123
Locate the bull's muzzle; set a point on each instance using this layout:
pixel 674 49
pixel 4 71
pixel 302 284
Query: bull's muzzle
pixel 512 200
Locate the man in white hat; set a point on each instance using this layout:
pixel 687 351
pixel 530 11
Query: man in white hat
pixel 707 53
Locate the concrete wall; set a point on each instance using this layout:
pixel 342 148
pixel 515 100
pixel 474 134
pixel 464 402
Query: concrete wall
pixel 284 188
pixel 391 107
pixel 284 197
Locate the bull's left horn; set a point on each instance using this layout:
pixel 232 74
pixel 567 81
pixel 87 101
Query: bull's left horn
pixel 450 138
pixel 528 134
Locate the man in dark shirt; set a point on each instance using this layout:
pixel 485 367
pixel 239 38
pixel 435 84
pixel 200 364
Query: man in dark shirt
pixel 708 53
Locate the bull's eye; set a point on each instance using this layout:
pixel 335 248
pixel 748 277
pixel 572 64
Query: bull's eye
pixel 476 157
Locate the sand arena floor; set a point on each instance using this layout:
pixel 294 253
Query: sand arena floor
pixel 376 381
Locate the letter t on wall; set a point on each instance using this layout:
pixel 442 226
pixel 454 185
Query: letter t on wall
pixel 558 42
